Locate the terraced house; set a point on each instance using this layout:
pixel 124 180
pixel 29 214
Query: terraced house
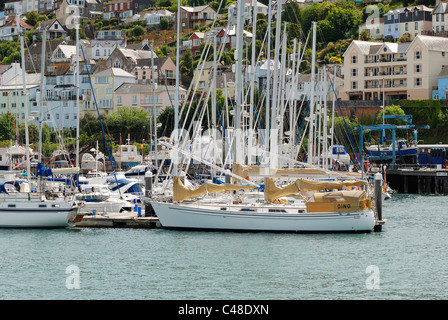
pixel 399 70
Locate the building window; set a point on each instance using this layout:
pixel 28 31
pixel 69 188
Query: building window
pixel 119 101
pixel 406 26
pixel 418 82
pixel 354 72
pixel 354 59
pixel 418 55
pixel 416 26
pixel 418 68
pixel 134 100
pixel 354 85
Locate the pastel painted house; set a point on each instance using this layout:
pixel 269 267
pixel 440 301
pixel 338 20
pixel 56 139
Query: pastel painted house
pixel 142 96
pixel 105 83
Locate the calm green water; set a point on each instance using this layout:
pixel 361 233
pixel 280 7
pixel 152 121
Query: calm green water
pixel 407 260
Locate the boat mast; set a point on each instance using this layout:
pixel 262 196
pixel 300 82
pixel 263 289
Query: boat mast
pixel 77 91
pixel 281 96
pixel 176 98
pixel 154 85
pixel 42 90
pixel 275 114
pixel 213 152
pixel 25 97
pixel 333 108
pixel 238 82
pixel 310 156
pixel 292 102
pixel 268 91
pixel 325 141
pixel 252 84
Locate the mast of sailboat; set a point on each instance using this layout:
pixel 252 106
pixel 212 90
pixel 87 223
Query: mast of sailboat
pixel 268 91
pixel 310 157
pixel 274 111
pixel 238 82
pixel 176 98
pixel 213 150
pixel 252 84
pixel 77 91
pixel 25 94
pixel 292 102
pixel 41 101
pixel 332 109
pixel 42 90
pixel 325 140
pixel 154 107
pixel 281 97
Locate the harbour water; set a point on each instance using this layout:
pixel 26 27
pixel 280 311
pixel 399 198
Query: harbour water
pixel 407 260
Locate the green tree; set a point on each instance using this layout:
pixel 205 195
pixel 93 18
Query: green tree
pixel 7 126
pixel 138 31
pixel 164 24
pixel 164 3
pixel 166 118
pixel 186 64
pixel 128 120
pixel 32 18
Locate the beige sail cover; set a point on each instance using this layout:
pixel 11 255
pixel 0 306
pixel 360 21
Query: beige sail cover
pixel 246 171
pixel 311 185
pixel 271 191
pixel 347 195
pixel 181 192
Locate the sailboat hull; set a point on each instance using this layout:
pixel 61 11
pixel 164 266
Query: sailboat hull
pixel 174 216
pixel 36 214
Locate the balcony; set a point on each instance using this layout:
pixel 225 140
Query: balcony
pixel 395 73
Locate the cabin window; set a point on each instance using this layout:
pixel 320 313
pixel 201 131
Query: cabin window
pixel 277 210
pixel 223 209
pixel 247 209
pixel 301 211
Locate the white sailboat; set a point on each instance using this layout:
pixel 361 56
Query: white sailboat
pixel 301 206
pixel 23 207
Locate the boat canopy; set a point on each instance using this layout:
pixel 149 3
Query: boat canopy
pixel 45 172
pixel 181 192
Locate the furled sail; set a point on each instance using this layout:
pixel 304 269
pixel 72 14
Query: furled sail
pixel 272 192
pixel 246 171
pixel 181 192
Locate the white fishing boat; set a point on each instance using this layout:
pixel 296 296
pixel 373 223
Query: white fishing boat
pixel 13 157
pixel 127 155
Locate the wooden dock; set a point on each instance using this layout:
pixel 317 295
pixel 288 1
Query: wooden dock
pixel 422 181
pixel 119 221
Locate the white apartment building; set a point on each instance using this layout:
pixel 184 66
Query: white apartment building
pixel 400 70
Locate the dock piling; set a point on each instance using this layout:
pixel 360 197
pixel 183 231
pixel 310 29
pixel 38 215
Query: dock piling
pixel 377 190
pixel 149 212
